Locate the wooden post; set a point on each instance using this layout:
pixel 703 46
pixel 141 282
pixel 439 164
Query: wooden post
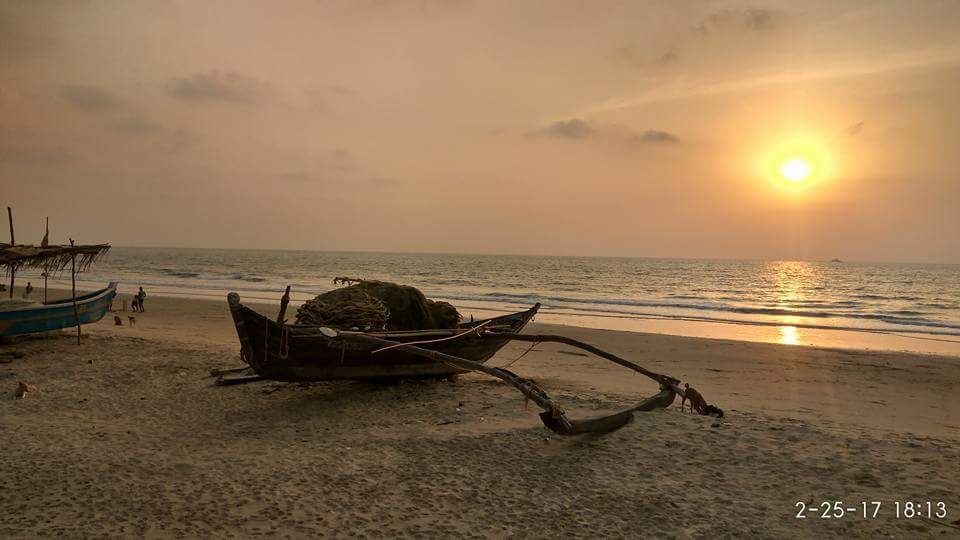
pixel 13 242
pixel 283 305
pixel 45 269
pixel 73 288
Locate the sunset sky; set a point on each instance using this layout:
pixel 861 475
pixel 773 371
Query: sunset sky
pixel 569 128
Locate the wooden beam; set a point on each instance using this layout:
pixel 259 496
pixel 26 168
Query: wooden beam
pixel 73 289
pixel 46 271
pixel 12 243
pixel 283 306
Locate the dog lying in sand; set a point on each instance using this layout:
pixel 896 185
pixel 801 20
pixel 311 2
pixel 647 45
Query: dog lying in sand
pixel 117 321
pixel 697 403
pixel 23 389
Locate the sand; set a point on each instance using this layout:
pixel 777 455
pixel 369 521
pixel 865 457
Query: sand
pixel 126 436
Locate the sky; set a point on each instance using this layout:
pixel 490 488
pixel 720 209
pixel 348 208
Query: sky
pixel 613 128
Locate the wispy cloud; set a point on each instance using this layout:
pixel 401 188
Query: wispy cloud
pixel 578 129
pixel 655 136
pixel 137 125
pixel 215 86
pixel 669 92
pixel 749 19
pixel 855 129
pixel 89 98
pixel 720 25
pixel 573 128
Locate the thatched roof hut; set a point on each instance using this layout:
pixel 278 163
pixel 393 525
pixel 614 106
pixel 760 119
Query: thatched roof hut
pixel 52 259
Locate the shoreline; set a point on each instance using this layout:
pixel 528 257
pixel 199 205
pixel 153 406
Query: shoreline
pixel 797 334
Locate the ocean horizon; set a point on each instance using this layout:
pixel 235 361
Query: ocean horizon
pixel 510 254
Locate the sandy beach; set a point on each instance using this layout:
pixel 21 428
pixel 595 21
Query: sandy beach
pixel 127 436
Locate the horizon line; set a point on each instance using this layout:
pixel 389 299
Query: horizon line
pixel 490 254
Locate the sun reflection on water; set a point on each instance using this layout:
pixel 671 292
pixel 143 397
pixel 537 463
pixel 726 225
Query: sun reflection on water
pixel 789 335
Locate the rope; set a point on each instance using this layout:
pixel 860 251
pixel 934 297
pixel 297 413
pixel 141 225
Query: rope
pixel 475 329
pixel 284 350
pixel 514 361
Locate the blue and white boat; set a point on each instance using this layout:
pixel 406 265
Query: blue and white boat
pixel 56 314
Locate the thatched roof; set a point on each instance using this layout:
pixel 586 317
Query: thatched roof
pixel 53 259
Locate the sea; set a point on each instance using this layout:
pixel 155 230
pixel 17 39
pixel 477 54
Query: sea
pixel 912 307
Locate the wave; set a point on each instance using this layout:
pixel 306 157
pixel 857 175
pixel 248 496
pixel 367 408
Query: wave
pixel 638 289
pixel 897 317
pixel 211 277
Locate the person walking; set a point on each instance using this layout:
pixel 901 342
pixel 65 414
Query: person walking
pixel 141 295
pixel 27 291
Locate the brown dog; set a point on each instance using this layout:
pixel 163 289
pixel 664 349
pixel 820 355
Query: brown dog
pixel 23 389
pixel 117 321
pixel 133 320
pixel 698 403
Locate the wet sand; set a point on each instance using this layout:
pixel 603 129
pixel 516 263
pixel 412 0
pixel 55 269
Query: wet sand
pixel 126 436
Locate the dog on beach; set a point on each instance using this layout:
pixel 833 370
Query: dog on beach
pixel 698 403
pixel 117 321
pixel 132 320
pixel 23 389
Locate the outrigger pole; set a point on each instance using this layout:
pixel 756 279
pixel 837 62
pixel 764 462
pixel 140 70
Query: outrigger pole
pixel 553 416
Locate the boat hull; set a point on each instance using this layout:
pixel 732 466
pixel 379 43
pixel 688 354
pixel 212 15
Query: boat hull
pixel 299 353
pixel 57 315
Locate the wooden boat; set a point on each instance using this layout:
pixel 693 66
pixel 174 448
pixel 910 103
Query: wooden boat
pixel 284 352
pixel 57 314
pixel 289 352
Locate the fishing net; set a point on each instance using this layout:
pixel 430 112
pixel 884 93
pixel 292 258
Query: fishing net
pixel 375 305
pixel 344 309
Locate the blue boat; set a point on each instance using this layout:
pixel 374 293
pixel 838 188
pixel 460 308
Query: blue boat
pixel 57 314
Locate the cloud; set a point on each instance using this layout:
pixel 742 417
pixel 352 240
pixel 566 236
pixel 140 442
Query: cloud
pixel 573 128
pixel 217 87
pixel 577 129
pixel 721 25
pixel 655 136
pixel 89 98
pixel 137 125
pixel 855 129
pixel 753 19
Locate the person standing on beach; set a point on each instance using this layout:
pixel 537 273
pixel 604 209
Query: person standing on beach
pixel 140 297
pixel 27 291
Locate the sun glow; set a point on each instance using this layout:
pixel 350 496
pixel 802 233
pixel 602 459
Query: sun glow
pixel 797 165
pixel 796 169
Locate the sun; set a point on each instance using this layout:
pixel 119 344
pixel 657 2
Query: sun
pixel 797 165
pixel 796 169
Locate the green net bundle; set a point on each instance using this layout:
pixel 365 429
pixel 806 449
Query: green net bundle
pixel 377 305
pixel 344 309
